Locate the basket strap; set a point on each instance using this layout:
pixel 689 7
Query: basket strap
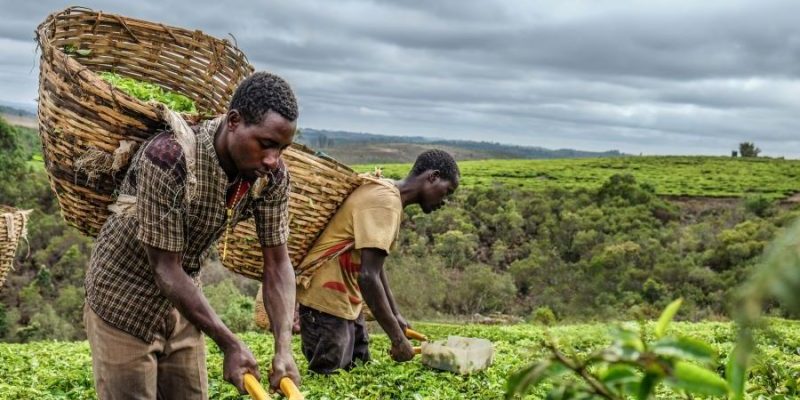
pixel 185 137
pixel 304 274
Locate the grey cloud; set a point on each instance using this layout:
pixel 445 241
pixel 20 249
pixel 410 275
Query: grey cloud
pixel 640 76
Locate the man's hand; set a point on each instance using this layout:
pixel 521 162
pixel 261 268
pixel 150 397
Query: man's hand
pixel 239 361
pixel 401 350
pixel 402 322
pixel 283 366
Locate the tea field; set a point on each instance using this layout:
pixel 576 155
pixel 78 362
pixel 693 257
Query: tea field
pixel 669 175
pixel 62 370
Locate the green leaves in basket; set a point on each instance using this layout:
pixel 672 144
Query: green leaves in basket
pixel 145 91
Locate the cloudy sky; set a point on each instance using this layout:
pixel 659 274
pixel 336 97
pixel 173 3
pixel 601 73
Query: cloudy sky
pixel 652 77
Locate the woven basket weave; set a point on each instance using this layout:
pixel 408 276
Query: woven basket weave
pixel 261 318
pixel 319 186
pixel 12 228
pixel 80 114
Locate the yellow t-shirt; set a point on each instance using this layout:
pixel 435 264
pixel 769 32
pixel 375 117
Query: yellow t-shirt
pixel 369 218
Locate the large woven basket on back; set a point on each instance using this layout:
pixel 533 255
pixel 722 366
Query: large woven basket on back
pixel 82 118
pixel 12 228
pixel 319 186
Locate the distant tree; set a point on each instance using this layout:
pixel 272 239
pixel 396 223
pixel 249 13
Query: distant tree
pixel 748 149
pixel 734 153
pixel 456 248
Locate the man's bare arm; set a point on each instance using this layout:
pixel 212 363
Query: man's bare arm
pixel 390 296
pixel 279 299
pixel 184 295
pixel 374 293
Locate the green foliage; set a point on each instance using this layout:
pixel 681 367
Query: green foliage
pixel 478 289
pixel 58 370
pixel 666 318
pixel 456 248
pixel 667 175
pixel 544 316
pixel 419 284
pixel 146 91
pixel 631 367
pixel 748 149
pixel 619 251
pixel 759 205
pixel 19 186
pixel 235 309
pixel 775 278
pixel 4 323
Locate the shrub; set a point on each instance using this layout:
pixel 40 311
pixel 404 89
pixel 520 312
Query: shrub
pixel 543 316
pixel 759 205
pixel 235 309
pixel 478 289
pixel 418 284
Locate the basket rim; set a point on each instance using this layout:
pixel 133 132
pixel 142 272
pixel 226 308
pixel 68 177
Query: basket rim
pixel 43 39
pixel 44 42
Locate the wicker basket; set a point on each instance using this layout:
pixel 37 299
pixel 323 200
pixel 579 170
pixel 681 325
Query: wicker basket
pixel 12 227
pixel 261 317
pixel 80 114
pixel 319 186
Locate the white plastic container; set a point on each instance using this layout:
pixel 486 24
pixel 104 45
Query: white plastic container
pixel 458 354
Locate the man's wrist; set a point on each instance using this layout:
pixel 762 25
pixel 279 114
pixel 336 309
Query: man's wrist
pixel 228 344
pixel 397 337
pixel 283 348
pixel 283 341
pixel 399 341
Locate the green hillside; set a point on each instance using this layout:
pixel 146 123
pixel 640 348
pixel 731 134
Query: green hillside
pixel 669 175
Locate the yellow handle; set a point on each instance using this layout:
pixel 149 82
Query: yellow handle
pixel 417 350
pixel 257 391
pixel 412 334
pixel 290 389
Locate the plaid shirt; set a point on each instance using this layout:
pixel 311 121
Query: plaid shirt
pixel 120 285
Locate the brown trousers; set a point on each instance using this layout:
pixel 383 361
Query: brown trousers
pixel 127 368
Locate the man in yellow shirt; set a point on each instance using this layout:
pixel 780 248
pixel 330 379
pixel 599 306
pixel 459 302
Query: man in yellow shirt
pixel 350 254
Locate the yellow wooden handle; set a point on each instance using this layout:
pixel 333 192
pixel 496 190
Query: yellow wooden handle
pixel 412 334
pixel 417 350
pixel 255 389
pixel 290 389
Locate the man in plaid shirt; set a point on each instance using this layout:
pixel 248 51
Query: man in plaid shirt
pixel 145 314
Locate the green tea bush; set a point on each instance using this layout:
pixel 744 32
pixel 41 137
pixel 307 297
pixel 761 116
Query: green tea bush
pixel 52 370
pixel 543 316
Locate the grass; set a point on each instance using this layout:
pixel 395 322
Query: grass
pixel 58 370
pixel 670 175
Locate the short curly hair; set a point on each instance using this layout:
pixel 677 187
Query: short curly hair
pixel 439 160
pixel 262 92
